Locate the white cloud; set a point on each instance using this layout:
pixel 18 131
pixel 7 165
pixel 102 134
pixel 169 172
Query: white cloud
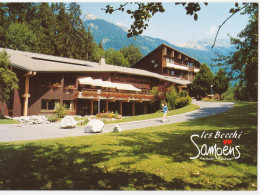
pixel 212 31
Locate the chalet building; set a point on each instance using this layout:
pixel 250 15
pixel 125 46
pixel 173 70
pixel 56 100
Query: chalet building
pixel 167 61
pixel 46 80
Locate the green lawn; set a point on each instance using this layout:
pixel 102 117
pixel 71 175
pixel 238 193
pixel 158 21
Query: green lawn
pixel 8 121
pixel 185 109
pixel 156 158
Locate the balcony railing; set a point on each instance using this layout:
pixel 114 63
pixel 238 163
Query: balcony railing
pixel 196 70
pixel 177 76
pixel 190 68
pixel 117 95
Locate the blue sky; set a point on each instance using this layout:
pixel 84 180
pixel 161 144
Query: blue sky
pixel 174 25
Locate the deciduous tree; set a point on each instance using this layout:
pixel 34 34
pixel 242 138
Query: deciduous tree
pixel 131 53
pixel 8 79
pixel 220 82
pixel 201 85
pixel 243 63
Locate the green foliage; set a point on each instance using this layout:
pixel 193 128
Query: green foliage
pixel 241 92
pixel 229 94
pixel 52 118
pixel 183 101
pixel 8 79
pixel 243 63
pixel 131 53
pixel 60 110
pixel 97 53
pixel 55 29
pixel 183 93
pixel 202 82
pixel 116 58
pixel 2 116
pixel 20 37
pixel 154 91
pixel 171 96
pixel 115 130
pixel 220 82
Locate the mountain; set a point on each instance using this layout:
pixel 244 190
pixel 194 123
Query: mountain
pixel 114 36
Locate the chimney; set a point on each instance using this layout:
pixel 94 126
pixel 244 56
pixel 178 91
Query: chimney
pixel 102 61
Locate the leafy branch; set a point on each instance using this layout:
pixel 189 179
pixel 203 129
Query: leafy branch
pixel 233 11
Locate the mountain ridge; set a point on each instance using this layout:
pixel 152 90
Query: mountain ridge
pixel 115 36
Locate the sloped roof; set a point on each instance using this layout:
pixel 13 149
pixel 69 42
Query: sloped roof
pixel 29 61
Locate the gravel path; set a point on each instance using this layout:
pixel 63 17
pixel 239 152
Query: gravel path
pixel 36 132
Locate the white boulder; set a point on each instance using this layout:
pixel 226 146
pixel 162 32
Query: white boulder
pixel 30 120
pixel 94 126
pixel 68 122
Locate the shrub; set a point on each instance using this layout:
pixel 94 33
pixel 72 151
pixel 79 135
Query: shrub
pixel 2 116
pixel 183 101
pixel 229 94
pixel 53 118
pixel 115 130
pixel 183 93
pixel 171 96
pixel 60 110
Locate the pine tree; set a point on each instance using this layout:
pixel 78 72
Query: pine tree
pixel 63 29
pixel 43 25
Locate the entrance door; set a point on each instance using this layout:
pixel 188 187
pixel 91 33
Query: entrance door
pixel 83 107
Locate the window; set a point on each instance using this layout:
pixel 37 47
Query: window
pixel 172 72
pixel 168 51
pixel 48 104
pixel 67 104
pixel 69 81
pixel 190 64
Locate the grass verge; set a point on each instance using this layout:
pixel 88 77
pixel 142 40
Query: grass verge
pixel 8 121
pixel 155 158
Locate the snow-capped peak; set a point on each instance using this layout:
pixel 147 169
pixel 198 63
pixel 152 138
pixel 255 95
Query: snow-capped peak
pixel 205 44
pixel 88 16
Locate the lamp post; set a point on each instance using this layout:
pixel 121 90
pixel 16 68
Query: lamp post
pixel 211 89
pixel 98 92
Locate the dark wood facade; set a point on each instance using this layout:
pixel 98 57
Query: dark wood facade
pixel 47 89
pixel 168 61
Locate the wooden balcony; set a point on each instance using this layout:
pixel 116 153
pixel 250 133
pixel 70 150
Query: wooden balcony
pixel 114 95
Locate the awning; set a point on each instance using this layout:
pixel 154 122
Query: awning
pixel 107 84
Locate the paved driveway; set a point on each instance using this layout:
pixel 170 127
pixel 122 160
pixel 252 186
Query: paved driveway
pixel 35 132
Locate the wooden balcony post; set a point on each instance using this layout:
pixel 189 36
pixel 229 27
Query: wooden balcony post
pixel 145 108
pixel 133 108
pixel 26 96
pixel 62 86
pixel 91 107
pixel 120 108
pixel 107 104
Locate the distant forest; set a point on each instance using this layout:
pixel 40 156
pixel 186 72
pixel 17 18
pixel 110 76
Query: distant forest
pixel 56 29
